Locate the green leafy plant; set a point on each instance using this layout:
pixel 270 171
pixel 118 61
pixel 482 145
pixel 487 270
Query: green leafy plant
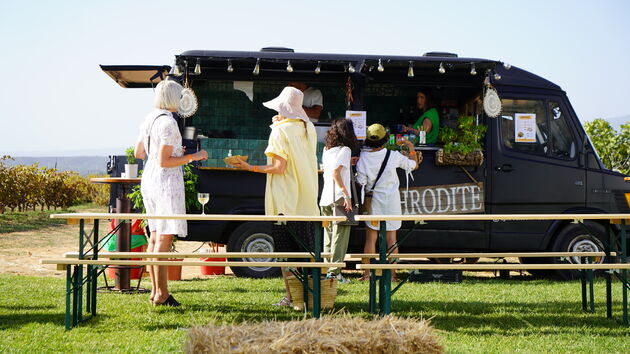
pixel 612 147
pixel 131 158
pixel 190 192
pixel 466 139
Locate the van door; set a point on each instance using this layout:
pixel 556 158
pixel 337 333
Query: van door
pixel 535 168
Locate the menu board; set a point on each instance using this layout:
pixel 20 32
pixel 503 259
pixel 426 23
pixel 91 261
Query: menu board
pixel 359 120
pixel 525 127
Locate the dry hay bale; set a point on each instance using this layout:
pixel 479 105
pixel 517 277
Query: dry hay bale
pixel 339 334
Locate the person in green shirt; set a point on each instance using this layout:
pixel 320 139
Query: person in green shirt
pixel 429 121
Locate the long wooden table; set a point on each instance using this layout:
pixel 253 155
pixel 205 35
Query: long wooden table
pixel 89 248
pixel 384 280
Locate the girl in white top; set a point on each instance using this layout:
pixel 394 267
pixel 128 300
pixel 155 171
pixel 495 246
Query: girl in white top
pixel 385 196
pixel 340 140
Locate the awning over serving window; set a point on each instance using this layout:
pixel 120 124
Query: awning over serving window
pixel 136 76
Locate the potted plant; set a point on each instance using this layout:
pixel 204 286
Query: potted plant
pixel 131 167
pixel 462 146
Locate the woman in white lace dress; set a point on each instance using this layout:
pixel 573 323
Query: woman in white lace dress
pixel 162 185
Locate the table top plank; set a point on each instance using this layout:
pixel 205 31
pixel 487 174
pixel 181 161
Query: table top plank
pixel 494 266
pixel 69 261
pixel 480 255
pixel 207 217
pixel 491 217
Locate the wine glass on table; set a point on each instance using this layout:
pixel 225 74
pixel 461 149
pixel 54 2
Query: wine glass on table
pixel 203 199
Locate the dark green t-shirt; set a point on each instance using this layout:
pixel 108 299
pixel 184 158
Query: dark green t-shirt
pixel 431 115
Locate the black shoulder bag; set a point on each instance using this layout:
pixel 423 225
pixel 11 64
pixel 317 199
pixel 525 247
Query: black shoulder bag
pixel 149 135
pixel 338 208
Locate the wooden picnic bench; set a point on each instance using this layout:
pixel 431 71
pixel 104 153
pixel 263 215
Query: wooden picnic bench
pixel 381 270
pixel 89 256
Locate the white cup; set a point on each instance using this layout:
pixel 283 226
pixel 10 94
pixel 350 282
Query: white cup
pixel 123 175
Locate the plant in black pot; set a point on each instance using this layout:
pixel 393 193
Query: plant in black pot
pixel 462 146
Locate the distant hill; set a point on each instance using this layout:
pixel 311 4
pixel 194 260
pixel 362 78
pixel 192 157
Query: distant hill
pixel 83 165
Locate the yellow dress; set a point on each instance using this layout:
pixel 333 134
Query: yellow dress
pixel 295 191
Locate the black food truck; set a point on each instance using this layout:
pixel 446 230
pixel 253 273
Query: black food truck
pixel 535 156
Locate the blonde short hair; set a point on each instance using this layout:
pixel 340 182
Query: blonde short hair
pixel 168 93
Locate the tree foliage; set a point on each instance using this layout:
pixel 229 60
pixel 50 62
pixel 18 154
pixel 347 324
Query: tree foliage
pixel 612 147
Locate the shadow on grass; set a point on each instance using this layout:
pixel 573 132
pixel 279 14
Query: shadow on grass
pixel 58 319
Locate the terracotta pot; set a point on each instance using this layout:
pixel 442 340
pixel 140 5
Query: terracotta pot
pixel 175 272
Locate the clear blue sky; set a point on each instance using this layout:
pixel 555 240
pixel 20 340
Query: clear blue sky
pixel 55 97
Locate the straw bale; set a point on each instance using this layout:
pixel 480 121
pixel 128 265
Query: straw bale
pixel 338 334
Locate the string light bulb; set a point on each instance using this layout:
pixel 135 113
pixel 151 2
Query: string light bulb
pixel 473 71
pixel 318 68
pixel 507 66
pixel 289 66
pixel 177 70
pixel 410 73
pixel 381 68
pixel 230 68
pixel 256 67
pixel 351 68
pixel 497 76
pixel 198 67
pixel 441 68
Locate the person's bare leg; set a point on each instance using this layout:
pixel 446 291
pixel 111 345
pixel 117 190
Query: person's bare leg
pixel 285 276
pixel 163 244
pixel 150 249
pixel 391 240
pixel 369 247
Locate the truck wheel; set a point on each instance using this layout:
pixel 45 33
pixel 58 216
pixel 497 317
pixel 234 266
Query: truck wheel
pixel 253 237
pixel 574 238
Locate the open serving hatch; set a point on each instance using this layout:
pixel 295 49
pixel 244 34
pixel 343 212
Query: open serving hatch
pixel 136 76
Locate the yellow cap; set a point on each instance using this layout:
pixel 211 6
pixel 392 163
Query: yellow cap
pixel 376 132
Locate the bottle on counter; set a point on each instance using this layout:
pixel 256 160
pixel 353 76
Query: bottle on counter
pixel 229 155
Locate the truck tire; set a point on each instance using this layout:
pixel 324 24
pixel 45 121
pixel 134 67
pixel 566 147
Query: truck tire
pixel 253 237
pixel 574 238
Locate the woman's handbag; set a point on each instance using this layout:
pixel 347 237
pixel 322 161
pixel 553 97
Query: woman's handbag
pixel 366 206
pixel 339 209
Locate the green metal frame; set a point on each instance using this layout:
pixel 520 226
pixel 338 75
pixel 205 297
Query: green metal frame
pixel 76 281
pixel 586 275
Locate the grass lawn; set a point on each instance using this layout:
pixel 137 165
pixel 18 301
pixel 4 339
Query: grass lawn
pixel 477 315
pixel 33 220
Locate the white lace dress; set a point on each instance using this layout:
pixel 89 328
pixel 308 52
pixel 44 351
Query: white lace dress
pixel 162 188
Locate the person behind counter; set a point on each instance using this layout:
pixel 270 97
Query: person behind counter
pixel 162 184
pixel 313 102
pixel 383 185
pixel 292 179
pixel 429 121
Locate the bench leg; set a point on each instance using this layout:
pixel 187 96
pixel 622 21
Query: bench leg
pixel 95 269
pixel 68 296
pixel 583 280
pixel 372 291
pixel 385 278
pixel 608 274
pixel 75 295
pixel 317 272
pixel 624 272
pixel 591 290
pixel 88 288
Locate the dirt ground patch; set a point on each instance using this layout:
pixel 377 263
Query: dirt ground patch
pixel 20 252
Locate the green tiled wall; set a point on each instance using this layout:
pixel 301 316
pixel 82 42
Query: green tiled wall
pixel 218 149
pixel 226 112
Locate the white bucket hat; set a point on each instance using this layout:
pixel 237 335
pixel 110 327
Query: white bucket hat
pixel 289 104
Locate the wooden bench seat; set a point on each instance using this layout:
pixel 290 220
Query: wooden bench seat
pixel 62 263
pixel 494 266
pixel 412 256
pixel 113 255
